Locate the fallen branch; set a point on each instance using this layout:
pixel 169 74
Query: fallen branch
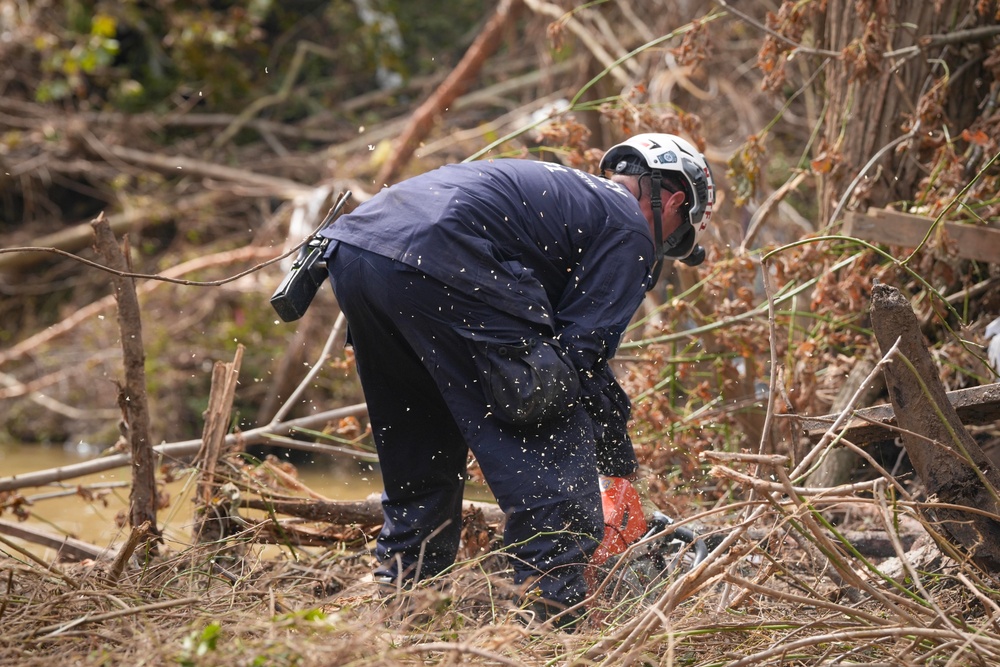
pixel 291 532
pixel 291 482
pixel 302 48
pixel 365 512
pixel 48 567
pixel 183 450
pixel 85 491
pixel 263 184
pixel 974 405
pixel 66 548
pixel 393 128
pixel 766 486
pixel 89 311
pixel 98 618
pixel 81 236
pixel 454 85
pixel 368 512
pixel 14 388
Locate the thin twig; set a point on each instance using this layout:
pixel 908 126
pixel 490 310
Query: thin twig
pixel 460 649
pixel 772 390
pixel 765 486
pixel 49 567
pixel 587 39
pixel 58 628
pixel 792 598
pixel 914 576
pixel 726 322
pixel 852 635
pixel 764 210
pixel 81 490
pixel 153 276
pixel 868 165
pixel 829 438
pixel 338 327
pixel 799 48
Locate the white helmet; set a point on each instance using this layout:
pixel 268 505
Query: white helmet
pixel 659 155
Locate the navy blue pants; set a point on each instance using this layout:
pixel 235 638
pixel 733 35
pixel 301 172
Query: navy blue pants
pixel 418 347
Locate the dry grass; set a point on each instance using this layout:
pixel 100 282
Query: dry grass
pixel 779 588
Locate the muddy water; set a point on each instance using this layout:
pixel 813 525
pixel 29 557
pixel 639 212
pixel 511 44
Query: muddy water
pixel 62 510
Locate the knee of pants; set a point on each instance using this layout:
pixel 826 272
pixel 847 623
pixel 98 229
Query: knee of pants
pixel 570 527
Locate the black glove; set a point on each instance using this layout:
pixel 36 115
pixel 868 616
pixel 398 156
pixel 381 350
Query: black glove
pixel 609 407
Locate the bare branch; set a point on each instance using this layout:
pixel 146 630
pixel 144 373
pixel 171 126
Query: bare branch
pixel 185 449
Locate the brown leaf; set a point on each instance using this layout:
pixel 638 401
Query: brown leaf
pixel 977 137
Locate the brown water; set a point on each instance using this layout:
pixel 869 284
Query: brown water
pixel 62 510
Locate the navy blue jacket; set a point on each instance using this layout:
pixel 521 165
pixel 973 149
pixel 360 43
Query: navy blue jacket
pixel 541 241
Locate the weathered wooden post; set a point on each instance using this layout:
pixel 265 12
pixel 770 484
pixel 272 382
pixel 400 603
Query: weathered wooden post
pixel 952 467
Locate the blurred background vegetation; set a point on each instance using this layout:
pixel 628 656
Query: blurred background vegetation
pixel 203 128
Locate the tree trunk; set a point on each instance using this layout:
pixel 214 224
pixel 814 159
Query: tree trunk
pixel 874 98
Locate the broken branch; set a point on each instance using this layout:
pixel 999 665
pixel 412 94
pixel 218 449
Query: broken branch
pixel 132 395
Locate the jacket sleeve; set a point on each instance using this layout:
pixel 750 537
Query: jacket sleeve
pixel 603 295
pixel 605 289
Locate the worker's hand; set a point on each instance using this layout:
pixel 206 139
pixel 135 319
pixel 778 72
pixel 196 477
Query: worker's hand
pixel 609 408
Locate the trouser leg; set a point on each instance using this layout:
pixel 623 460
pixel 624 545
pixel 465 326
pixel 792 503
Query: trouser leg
pixel 545 479
pixel 422 454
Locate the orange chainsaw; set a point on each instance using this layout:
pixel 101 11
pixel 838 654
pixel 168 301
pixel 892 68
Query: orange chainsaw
pixel 661 553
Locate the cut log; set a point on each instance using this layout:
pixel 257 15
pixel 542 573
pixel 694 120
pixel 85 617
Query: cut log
pixel 218 416
pixel 952 467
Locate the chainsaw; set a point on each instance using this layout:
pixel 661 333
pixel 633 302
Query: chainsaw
pixel 639 552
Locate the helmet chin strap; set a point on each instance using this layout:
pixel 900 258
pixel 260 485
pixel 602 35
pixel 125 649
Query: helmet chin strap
pixel 657 205
pixel 697 255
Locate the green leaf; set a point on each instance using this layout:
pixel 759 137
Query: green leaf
pixel 209 637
